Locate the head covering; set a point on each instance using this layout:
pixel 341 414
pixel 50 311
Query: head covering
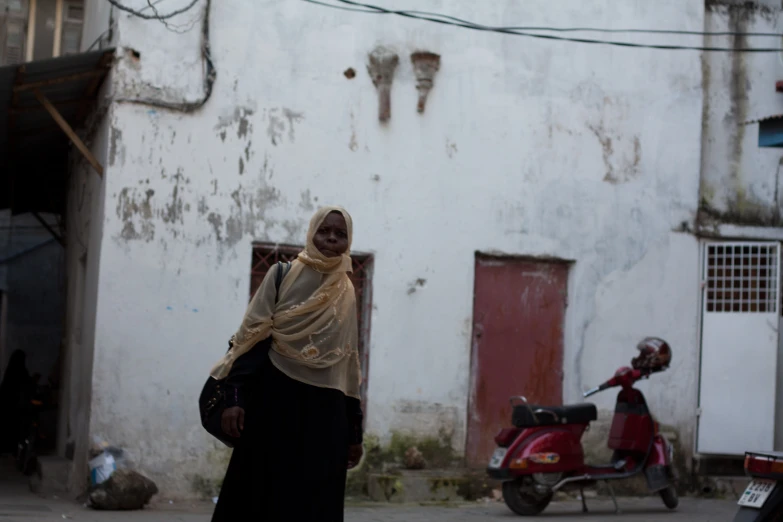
pixel 313 258
pixel 313 326
pixel 16 376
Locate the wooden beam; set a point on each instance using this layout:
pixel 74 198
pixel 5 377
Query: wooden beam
pixel 61 79
pixel 92 88
pixel 69 132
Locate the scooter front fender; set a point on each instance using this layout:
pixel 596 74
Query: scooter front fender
pixel 661 454
pixel 658 468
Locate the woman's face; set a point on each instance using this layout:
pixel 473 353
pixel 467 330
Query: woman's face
pixel 331 238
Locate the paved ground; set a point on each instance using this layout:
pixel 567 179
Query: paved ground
pixel 27 508
pixel 19 505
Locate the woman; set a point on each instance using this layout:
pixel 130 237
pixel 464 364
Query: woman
pixel 14 391
pixel 299 420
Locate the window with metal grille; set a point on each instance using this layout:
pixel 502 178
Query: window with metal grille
pixel 13 47
pixel 265 255
pixel 742 278
pixel 73 18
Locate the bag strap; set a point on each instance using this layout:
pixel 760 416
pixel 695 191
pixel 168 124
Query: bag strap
pixel 282 271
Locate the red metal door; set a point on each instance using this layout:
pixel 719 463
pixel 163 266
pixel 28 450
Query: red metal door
pixel 518 315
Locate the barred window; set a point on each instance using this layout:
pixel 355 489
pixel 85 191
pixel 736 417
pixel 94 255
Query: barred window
pixel 742 277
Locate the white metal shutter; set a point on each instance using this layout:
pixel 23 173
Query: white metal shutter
pixel 740 323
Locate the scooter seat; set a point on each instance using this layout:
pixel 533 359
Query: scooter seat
pixel 528 416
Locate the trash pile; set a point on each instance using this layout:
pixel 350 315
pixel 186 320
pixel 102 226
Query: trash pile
pixel 113 486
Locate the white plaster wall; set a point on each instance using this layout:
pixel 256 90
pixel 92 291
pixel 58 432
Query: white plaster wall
pixel 526 147
pixel 740 179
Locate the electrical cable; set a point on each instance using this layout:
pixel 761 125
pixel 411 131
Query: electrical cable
pixel 210 75
pixel 524 31
pixel 156 15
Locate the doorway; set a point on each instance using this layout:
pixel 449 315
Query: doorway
pixel 518 318
pixel 739 347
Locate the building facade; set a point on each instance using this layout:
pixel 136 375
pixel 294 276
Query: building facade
pixel 525 211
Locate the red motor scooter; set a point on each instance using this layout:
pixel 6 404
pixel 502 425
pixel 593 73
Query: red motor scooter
pixel 543 452
pixel 762 500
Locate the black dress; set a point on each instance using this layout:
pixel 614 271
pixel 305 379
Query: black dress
pixel 291 462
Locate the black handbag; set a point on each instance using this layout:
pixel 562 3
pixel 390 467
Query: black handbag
pixel 212 401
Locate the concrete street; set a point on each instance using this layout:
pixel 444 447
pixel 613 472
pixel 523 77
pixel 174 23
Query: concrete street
pixel 19 505
pixel 28 508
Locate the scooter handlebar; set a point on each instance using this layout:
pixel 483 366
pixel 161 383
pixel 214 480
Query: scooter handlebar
pixel 595 390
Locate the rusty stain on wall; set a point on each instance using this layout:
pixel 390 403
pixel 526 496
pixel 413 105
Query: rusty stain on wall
pixel 425 66
pixel 381 66
pixel 626 167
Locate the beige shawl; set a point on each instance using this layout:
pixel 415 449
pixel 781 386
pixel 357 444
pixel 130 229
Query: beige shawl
pixel 313 325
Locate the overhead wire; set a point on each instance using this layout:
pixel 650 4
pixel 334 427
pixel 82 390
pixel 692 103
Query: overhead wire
pixel 355 6
pixel 156 15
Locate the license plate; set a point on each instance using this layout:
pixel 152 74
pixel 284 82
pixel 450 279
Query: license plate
pixel 497 458
pixel 756 493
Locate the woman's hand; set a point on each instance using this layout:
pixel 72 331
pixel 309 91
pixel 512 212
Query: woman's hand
pixel 355 453
pixel 233 421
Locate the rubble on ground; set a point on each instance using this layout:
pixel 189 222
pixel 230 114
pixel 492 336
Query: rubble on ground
pixel 124 490
pixel 414 459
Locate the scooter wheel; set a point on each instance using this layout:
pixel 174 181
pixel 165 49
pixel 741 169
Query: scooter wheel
pixel 522 499
pixel 670 497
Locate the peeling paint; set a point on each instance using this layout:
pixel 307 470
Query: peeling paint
pixel 203 208
pixel 276 125
pixel 240 118
pixel 115 146
pixel 451 148
pixel 306 203
pixel 217 224
pixel 275 128
pixel 353 144
pixel 292 117
pixel 173 211
pixel 624 168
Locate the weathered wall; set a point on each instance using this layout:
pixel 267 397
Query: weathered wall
pixel 740 182
pixel 84 222
pixel 526 147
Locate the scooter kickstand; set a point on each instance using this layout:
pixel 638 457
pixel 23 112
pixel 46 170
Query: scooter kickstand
pixel 582 496
pixel 614 499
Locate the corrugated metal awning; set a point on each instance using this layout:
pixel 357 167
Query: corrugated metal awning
pixel 33 145
pixel 765 118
